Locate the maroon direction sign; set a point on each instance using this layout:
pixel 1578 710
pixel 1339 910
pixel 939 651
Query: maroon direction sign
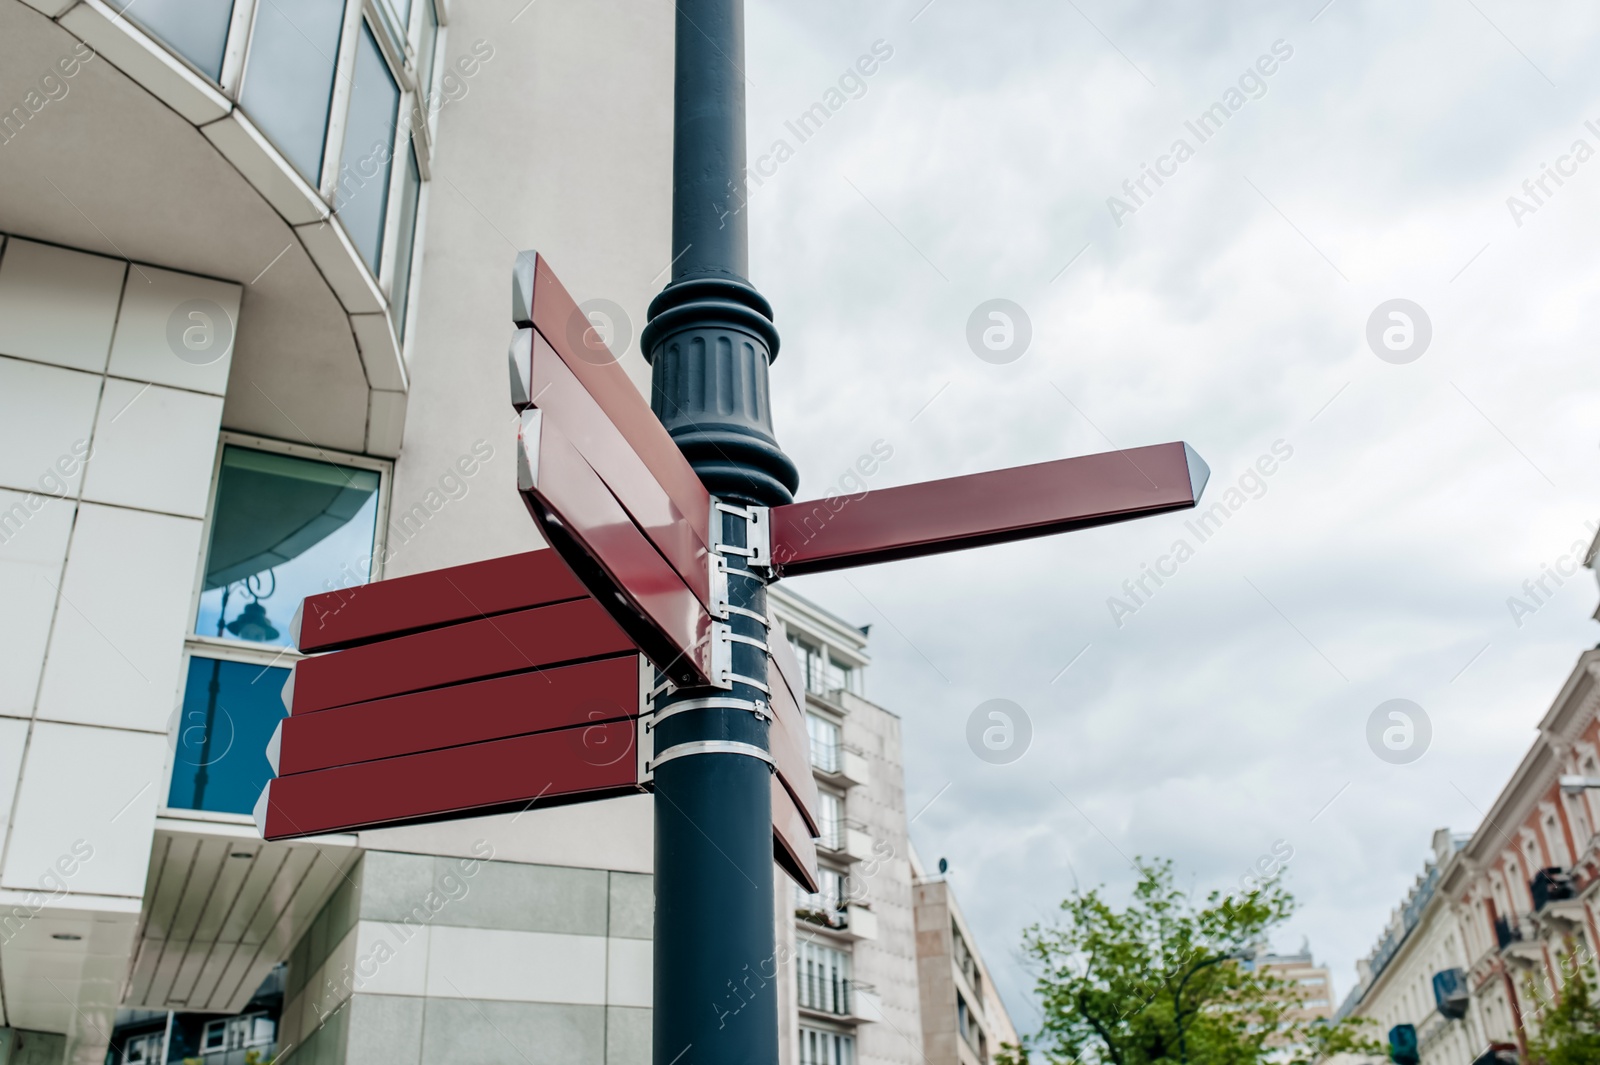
pixel 984 508
pixel 485 688
pixel 472 690
pixel 616 499
pixel 606 484
pixel 528 680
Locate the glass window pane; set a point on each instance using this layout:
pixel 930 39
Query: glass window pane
pixel 195 29
pixel 220 760
pixel 405 240
pixel 427 44
pixel 363 193
pixel 829 819
pixel 824 743
pixel 282 528
pixel 838 675
pixel 288 78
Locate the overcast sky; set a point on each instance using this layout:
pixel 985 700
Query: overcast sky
pixel 1229 308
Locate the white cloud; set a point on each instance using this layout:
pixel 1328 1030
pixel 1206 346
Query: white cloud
pixel 1417 500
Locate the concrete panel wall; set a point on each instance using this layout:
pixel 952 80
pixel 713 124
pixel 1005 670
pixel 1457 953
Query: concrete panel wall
pixel 466 961
pixel 108 431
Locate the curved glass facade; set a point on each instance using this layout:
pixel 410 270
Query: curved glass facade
pixel 195 29
pixel 321 71
pixel 288 78
pixel 369 130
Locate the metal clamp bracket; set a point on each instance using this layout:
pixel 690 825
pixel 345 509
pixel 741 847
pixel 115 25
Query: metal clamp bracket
pixel 757 549
pixel 722 641
pixel 713 702
pixel 684 750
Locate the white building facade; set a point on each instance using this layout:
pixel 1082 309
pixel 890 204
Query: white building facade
pixel 254 281
pixel 254 303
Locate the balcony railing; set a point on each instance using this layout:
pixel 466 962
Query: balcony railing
pixel 826 994
pixel 1550 885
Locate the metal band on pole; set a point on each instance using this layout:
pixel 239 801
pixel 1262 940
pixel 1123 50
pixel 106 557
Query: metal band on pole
pixel 684 750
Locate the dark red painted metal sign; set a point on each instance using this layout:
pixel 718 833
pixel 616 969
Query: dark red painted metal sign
pixel 985 508
pixel 522 681
pixel 606 484
pixel 486 688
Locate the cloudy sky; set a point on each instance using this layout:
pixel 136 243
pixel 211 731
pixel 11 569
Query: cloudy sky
pixel 1229 308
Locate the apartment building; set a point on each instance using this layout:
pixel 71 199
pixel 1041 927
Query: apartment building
pixel 1477 950
pixel 963 1020
pixel 1312 978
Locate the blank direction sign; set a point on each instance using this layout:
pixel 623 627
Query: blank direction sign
pixel 985 508
pixel 486 688
pixel 606 484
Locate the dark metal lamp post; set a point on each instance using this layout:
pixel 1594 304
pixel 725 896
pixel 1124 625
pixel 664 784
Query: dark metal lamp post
pixel 709 340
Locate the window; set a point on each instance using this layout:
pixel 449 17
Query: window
pixel 143 1049
pixel 427 45
pixel 810 659
pixel 824 742
pixel 230 709
pixel 964 1022
pixel 964 959
pixel 830 820
pixel 195 29
pixel 369 131
pixel 288 78
pixel 234 1033
pixel 836 677
pixel 282 528
pixel 405 240
pixel 824 978
pixel 826 905
pixel 826 1048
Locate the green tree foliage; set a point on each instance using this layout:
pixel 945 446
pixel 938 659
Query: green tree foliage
pixel 1569 1032
pixel 1114 985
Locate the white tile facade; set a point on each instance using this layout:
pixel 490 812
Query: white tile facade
pixel 176 329
pixel 46 419
pixel 107 443
pixel 113 820
pixel 497 963
pixel 154 448
pixel 13 738
pixel 57 305
pixel 116 649
pixel 34 530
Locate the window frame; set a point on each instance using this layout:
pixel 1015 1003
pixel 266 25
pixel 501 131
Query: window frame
pixel 229 649
pixel 835 764
pixel 148 1043
pixel 841 1040
pixel 833 829
pixel 220 1025
pixel 384 468
pixel 240 32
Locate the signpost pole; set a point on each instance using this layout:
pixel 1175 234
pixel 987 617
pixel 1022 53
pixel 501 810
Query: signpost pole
pixel 710 339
